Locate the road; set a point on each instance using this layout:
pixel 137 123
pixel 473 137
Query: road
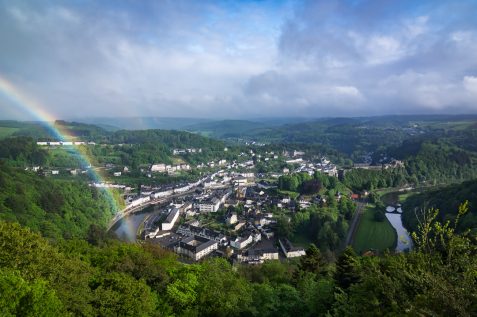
pixel 355 222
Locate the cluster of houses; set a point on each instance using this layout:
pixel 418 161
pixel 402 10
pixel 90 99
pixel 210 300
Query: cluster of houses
pixel 385 164
pixel 56 171
pixel 166 168
pixel 63 143
pixel 196 242
pixel 324 166
pixel 185 151
pixel 250 235
pixel 149 194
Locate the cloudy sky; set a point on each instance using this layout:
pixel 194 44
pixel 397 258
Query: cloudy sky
pixel 230 59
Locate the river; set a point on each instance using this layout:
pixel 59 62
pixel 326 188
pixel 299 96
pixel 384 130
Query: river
pixel 126 228
pixel 404 241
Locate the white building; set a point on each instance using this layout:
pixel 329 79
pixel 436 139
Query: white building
pixel 163 193
pixel 289 250
pixel 241 242
pixel 196 247
pixel 258 256
pixel 210 205
pixel 298 160
pixel 139 201
pixel 240 181
pixel 158 168
pixel 170 220
pixel 232 219
pixel 193 230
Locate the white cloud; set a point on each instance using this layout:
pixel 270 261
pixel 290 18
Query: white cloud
pixel 470 84
pixel 349 91
pixel 213 59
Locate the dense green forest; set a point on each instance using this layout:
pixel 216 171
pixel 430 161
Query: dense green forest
pixel 22 151
pixel 426 162
pixel 109 278
pixel 56 208
pixel 446 200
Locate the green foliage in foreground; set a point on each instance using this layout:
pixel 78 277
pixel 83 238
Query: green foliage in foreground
pixel 75 278
pixel 56 208
pixel 372 234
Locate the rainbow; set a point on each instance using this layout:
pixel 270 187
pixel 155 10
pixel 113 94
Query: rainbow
pixel 34 108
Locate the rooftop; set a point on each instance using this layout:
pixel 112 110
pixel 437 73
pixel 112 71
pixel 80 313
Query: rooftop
pixel 196 243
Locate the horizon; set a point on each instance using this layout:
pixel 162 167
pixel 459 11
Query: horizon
pixel 98 121
pixel 238 60
pixel 250 119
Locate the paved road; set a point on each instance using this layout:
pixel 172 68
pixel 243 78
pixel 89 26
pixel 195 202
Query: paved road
pixel 355 222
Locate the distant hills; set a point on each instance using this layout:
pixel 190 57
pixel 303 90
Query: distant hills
pixel 143 123
pixel 356 137
pixel 216 128
pixel 280 130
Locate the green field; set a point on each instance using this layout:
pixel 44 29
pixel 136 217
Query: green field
pixel 6 131
pixel 372 234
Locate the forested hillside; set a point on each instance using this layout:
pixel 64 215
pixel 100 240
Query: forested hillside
pixel 88 132
pixel 21 151
pixel 447 201
pixel 129 148
pixel 56 208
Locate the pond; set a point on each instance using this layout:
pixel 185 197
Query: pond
pixel 404 241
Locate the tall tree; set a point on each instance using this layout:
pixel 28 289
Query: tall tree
pixel 347 269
